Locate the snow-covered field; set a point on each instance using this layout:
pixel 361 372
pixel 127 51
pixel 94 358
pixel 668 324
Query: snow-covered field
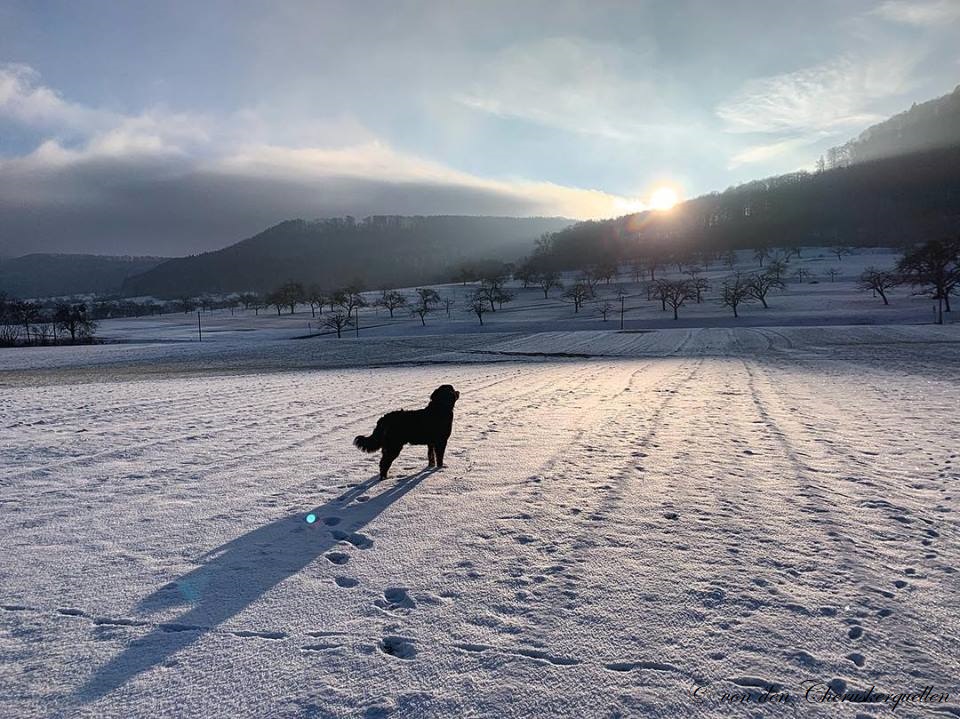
pixel 816 301
pixel 731 509
pixel 625 517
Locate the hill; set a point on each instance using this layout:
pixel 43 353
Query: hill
pixel 894 200
pixel 927 126
pixel 379 251
pixel 45 275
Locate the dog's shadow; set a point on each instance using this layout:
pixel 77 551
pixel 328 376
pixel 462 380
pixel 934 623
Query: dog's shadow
pixel 236 574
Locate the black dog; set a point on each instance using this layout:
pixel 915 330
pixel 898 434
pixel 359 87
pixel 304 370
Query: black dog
pixel 430 426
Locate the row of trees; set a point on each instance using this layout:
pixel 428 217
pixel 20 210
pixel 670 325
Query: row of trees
pixel 30 323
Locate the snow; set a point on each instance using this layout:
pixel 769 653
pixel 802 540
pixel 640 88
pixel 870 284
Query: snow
pixel 624 517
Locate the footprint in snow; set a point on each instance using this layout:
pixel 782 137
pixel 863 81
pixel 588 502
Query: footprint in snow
pixel 857 659
pixel 398 647
pixel 395 599
pixel 358 540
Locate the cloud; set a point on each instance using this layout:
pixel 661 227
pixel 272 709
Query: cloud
pixel 165 182
pixel 769 151
pixel 574 85
pixel 919 14
pixel 23 100
pixel 825 98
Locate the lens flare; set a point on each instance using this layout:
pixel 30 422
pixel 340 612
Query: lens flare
pixel 311 518
pixel 663 198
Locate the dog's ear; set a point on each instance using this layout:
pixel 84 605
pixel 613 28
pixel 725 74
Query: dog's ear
pixel 456 394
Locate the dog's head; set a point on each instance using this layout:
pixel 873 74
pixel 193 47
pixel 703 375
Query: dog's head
pixel 445 395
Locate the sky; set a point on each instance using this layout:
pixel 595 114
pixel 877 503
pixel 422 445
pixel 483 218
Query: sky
pixel 179 127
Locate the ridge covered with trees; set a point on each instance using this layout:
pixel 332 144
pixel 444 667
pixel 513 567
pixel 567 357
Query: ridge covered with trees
pixel 379 251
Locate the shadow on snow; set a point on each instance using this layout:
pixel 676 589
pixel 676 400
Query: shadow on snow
pixel 236 574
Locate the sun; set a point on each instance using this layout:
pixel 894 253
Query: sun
pixel 663 198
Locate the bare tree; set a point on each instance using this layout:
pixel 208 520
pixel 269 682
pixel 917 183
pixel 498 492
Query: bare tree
pixel 735 292
pixel 833 273
pixel 658 290
pixel 477 304
pixel 759 286
pixel 777 267
pixel 653 264
pixel 247 299
pixel 28 314
pixel 934 267
pixel 676 293
pixel 350 298
pixel 292 294
pixel 761 254
pixel 338 319
pixel 74 319
pixel 698 283
pixel 391 300
pixel 840 251
pixel 465 274
pixel 547 281
pixel 501 295
pixel 426 300
pixel 804 273
pixel 525 273
pixel 279 300
pixel 604 307
pixel 730 259
pixel 316 298
pixel 448 302
pixel 605 271
pixel 492 289
pixel 879 282
pixel 591 277
pixel 578 293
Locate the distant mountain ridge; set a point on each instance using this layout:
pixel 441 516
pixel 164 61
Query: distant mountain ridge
pixel 46 275
pixel 380 251
pixel 925 126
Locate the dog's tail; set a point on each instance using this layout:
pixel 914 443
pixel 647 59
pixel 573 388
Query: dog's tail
pixel 371 443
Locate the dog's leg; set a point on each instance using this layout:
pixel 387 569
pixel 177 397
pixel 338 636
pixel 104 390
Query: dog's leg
pixel 431 456
pixel 441 447
pixel 390 453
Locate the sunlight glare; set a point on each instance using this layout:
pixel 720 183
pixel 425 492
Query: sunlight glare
pixel 663 198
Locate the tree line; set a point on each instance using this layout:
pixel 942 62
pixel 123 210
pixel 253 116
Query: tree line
pixel 25 323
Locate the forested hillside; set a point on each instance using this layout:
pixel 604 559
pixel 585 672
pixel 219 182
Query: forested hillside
pixel 893 202
pixel 43 275
pixel 380 251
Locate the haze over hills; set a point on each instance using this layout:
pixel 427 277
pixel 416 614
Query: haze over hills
pixel 40 275
pixel 378 251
